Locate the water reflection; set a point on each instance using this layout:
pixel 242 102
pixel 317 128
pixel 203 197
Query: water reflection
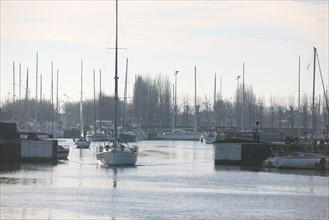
pixel 305 172
pixel 12 167
pixel 113 171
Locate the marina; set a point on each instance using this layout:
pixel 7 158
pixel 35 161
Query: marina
pixel 215 119
pixel 171 180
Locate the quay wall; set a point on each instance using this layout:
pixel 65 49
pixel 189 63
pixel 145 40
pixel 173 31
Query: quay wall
pixel 247 153
pixel 17 151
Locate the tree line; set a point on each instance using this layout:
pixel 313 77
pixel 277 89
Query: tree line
pixel 151 107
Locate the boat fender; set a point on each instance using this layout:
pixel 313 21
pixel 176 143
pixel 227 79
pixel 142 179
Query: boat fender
pixel 101 148
pixel 122 147
pixel 135 149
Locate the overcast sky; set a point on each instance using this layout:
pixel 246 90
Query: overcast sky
pixel 162 37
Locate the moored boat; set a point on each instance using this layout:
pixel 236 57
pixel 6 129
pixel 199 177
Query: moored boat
pixel 298 160
pixel 62 152
pixel 97 137
pixel 179 134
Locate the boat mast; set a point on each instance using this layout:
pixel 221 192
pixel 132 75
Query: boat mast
pixel 195 108
pixel 52 95
pixel 215 110
pixel 313 96
pixel 26 96
pixel 36 90
pixel 299 83
pixel 116 75
pixel 125 99
pixel 242 106
pixel 94 104
pixel 100 99
pixel 81 107
pixel 57 101
pixel 13 98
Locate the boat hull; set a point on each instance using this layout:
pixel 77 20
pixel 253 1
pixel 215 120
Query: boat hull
pixel 97 138
pixel 117 156
pixel 179 137
pixel 301 162
pixel 82 144
pixel 62 154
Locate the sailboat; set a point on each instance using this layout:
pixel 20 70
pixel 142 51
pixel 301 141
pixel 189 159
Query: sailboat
pixel 82 142
pixel 117 152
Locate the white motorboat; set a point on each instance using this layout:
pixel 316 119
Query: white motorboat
pixel 117 152
pixel 298 160
pixel 179 134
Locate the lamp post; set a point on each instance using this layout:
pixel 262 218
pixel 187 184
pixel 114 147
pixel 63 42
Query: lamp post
pixel 237 102
pixel 175 103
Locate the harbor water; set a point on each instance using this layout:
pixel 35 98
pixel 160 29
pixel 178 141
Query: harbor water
pixel 171 180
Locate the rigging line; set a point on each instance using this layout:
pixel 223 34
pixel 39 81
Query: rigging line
pixel 308 72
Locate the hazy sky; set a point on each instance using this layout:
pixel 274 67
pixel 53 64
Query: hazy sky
pixel 162 37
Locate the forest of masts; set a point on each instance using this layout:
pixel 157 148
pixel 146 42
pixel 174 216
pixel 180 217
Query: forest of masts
pixel 152 107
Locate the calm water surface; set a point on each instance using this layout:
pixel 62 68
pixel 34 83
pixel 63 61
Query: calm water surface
pixel 172 180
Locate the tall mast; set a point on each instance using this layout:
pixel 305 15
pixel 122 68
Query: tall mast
pixel 299 83
pixel 215 110
pixel 81 107
pixel 57 104
pixel 36 89
pixel 173 112
pixel 100 99
pixel 242 106
pixel 313 96
pixel 20 82
pixel 19 91
pixel 41 97
pixel 116 75
pixel 26 95
pixel 125 99
pixel 52 95
pixel 94 103
pixel 13 82
pixel 195 108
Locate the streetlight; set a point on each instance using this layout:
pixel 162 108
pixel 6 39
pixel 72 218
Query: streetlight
pixel 175 104
pixel 237 101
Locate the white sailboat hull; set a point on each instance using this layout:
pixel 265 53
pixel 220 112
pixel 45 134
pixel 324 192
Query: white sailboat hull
pixel 179 134
pixel 303 161
pixel 117 156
